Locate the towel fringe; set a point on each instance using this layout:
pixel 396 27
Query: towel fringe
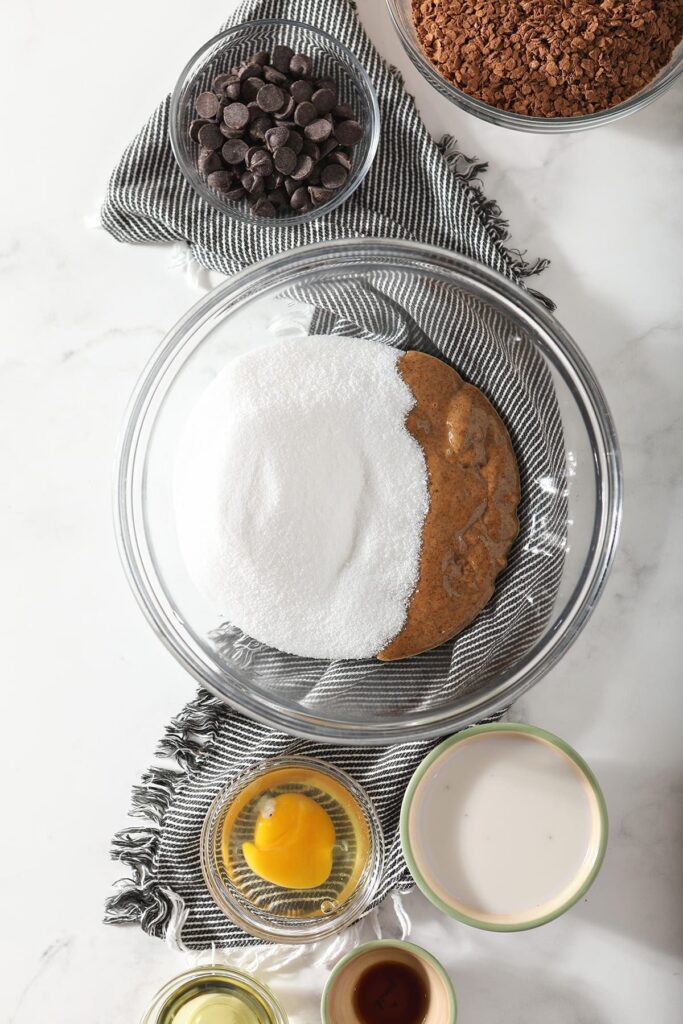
pixel 468 170
pixel 140 898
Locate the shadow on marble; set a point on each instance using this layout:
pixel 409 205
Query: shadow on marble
pixel 496 994
pixel 638 894
pixel 659 122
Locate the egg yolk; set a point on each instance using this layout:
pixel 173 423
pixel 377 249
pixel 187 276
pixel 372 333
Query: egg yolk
pixel 293 842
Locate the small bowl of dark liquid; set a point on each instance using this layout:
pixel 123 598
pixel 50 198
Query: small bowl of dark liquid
pixel 389 982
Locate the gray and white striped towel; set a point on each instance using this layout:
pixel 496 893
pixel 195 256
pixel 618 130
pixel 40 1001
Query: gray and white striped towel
pixel 434 201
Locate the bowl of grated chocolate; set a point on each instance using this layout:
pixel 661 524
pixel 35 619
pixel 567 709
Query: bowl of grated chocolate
pixel 544 65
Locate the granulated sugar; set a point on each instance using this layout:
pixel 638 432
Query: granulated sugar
pixel 300 496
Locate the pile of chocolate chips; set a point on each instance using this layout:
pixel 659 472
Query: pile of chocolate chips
pixel 271 132
pixel 549 58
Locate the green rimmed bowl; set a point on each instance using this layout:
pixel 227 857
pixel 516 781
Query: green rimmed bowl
pixel 464 909
pixel 337 1001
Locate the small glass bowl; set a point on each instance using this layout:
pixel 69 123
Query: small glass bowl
pixel 270 911
pixel 228 49
pixel 401 15
pixel 201 980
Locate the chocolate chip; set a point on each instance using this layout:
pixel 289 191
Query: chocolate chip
pixel 281 57
pixel 311 149
pixel 286 110
pixel 291 186
pixel 273 181
pixel 251 88
pixel 270 98
pixel 262 162
pixel 251 153
pixel 254 110
pixel 221 180
pixel 263 208
pixel 326 83
pixel 250 71
pixel 196 125
pixel 285 160
pixel 233 91
pixel 210 137
pixel 341 158
pixel 349 133
pixel 315 175
pixel 206 104
pixel 276 137
pixel 278 197
pixel 220 82
pixel 319 195
pixel 303 168
pixel 234 151
pixel 344 112
pixel 328 146
pixel 261 58
pixel 299 198
pixel 209 160
pixel 295 142
pixel 301 91
pixel 230 133
pixel 252 182
pixel 320 130
pixel 324 100
pixel 274 76
pixel 235 194
pixel 305 113
pixel 333 176
pixel 236 115
pixel 301 66
pixel 259 127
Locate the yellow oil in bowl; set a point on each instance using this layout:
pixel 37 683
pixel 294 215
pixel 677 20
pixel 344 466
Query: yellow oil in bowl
pixel 214 995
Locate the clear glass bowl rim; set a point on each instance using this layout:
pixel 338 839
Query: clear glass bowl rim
pixel 525 122
pixel 234 212
pixel 579 378
pixel 312 929
pixel 151 1015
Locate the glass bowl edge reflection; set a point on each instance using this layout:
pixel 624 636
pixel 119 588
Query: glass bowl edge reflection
pixel 555 344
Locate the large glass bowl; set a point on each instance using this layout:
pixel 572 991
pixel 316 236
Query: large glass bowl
pixel 401 15
pixel 230 48
pixel 256 305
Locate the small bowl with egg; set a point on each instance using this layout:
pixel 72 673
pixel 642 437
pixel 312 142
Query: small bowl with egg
pixel 292 851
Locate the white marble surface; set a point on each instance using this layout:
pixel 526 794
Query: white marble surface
pixel 87 687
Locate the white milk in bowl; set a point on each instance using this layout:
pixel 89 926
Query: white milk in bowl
pixel 504 827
